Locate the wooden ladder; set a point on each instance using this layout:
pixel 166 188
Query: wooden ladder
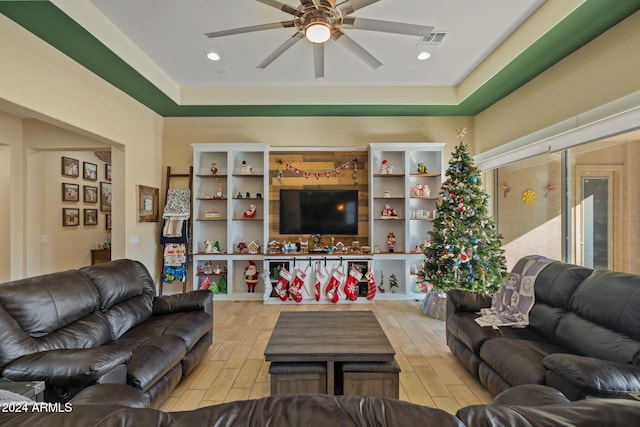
pixel 189 177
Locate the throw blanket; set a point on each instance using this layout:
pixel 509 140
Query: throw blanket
pixel 176 211
pixel 513 302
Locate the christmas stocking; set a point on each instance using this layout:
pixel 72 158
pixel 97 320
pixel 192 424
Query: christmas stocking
pixel 297 284
pixel 371 282
pixel 283 284
pixel 351 286
pixel 321 275
pixel 334 285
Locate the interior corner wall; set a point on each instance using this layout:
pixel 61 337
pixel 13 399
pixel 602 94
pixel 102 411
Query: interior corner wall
pixel 44 84
pixel 600 72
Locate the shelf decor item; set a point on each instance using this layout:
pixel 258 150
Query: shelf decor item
pixel 464 251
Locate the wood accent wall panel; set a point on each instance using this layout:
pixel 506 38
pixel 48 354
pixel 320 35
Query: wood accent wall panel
pixel 319 161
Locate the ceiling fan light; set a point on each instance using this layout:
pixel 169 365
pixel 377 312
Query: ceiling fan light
pixel 317 32
pixel 423 56
pixel 213 56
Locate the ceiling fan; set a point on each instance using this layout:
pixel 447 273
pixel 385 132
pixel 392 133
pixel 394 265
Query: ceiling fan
pixel 321 20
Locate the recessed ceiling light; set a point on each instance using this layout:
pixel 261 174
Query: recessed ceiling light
pixel 423 55
pixel 213 56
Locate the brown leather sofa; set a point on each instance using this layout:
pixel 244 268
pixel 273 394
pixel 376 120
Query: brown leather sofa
pixel 583 337
pixel 101 324
pixel 519 406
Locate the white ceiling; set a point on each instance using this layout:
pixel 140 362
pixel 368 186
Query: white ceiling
pixel 171 35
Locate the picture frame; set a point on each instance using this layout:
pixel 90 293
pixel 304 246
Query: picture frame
pixel 70 217
pixel 89 171
pixel 89 194
pixel 107 222
pixel 148 204
pixel 107 172
pixel 70 167
pixel 105 197
pixel 91 217
pixel 70 192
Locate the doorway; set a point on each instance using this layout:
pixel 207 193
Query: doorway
pixel 599 216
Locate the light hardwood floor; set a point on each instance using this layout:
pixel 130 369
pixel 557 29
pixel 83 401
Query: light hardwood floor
pixel 234 367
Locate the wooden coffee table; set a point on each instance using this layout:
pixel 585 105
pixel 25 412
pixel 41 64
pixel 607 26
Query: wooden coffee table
pixel 328 337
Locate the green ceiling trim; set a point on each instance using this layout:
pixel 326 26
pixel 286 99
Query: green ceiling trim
pixel 49 23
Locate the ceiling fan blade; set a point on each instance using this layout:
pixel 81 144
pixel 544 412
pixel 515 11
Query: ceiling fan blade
pixel 306 3
pixel 387 26
pixel 280 50
pixel 349 44
pixel 282 6
pixel 283 24
pixel 318 59
pixel 351 6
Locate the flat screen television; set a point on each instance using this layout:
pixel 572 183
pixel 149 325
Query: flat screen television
pixel 319 212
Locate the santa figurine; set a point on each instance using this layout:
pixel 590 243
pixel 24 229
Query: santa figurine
pixel 385 168
pixel 251 276
pixel 251 213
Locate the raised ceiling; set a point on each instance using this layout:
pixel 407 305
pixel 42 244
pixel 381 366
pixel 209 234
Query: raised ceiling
pixel 155 51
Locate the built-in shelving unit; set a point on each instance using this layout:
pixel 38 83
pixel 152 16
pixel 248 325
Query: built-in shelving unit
pixel 229 182
pixel 231 212
pixel 404 179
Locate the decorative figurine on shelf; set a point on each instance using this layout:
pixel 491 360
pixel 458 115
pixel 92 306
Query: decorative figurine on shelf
pixel 207 267
pixel 422 168
pixel 381 285
pixel 393 283
pixel 200 269
pixel 258 195
pixel 388 212
pixel 205 284
pixel 220 192
pixel 253 247
pixel 222 285
pixel 242 246
pixel 214 168
pixel 251 273
pixel 211 247
pixel 391 241
pixel 247 195
pixel 217 270
pixel 245 169
pixel 386 168
pixel 251 213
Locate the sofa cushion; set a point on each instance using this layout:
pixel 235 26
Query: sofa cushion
pixel 189 326
pixel 49 302
pixel 152 357
pixel 126 293
pixel 517 361
pixel 117 281
pixel 581 336
pixel 556 283
pixel 610 299
pixel 67 367
pixel 463 326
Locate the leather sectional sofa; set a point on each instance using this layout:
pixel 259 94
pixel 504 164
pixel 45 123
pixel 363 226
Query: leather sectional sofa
pixel 520 406
pixel 101 324
pixel 583 337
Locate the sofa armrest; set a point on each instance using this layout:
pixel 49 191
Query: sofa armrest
pixel 468 301
pixel 67 367
pixel 200 300
pixel 590 376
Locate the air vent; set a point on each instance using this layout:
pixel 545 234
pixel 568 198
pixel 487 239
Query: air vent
pixel 433 39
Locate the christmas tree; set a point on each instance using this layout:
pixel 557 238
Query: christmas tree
pixel 464 251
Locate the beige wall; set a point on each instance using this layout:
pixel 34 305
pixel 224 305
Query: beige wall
pixel 39 82
pixel 602 71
